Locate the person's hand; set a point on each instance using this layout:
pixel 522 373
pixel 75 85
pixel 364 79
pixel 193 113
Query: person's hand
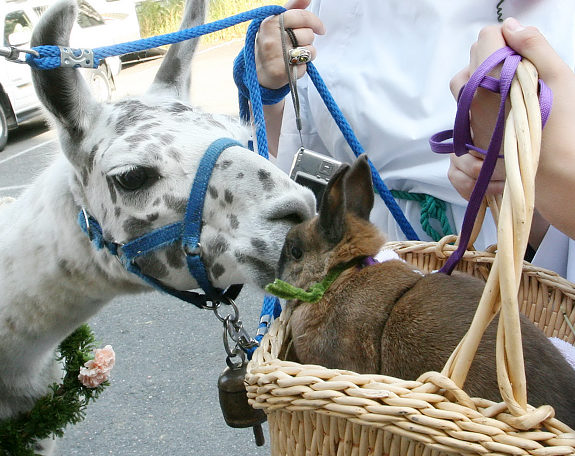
pixel 269 56
pixel 464 170
pixel 555 180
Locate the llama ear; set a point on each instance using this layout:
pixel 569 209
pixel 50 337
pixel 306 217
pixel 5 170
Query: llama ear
pixel 174 73
pixel 331 218
pixel 359 188
pixel 63 91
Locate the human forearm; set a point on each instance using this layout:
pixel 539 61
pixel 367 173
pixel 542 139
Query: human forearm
pixel 273 116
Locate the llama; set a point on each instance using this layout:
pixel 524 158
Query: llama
pixel 131 165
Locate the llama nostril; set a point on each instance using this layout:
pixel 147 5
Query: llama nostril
pixel 290 211
pixel 291 218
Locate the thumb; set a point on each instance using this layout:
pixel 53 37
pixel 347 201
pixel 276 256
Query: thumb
pixel 531 44
pixel 297 4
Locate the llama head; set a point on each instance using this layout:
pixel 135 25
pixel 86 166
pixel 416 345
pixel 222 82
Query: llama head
pixel 134 162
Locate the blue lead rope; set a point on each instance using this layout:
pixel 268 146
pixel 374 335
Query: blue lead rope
pixel 249 80
pixel 49 57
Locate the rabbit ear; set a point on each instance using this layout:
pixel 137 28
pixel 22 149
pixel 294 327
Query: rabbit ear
pixel 332 207
pixel 359 188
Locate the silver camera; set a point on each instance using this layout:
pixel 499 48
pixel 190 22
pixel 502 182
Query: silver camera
pixel 313 170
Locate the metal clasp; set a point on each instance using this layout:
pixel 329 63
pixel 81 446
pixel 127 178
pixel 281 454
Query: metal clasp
pixel 233 330
pixel 193 251
pixel 13 54
pixel 87 222
pixel 76 58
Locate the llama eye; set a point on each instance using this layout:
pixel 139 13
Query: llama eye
pixel 133 179
pixel 296 252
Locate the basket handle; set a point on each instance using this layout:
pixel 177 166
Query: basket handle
pixel 522 142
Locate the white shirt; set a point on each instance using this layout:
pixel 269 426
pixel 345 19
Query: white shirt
pixel 388 64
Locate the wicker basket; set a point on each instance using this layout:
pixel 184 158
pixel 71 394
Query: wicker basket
pixel 313 410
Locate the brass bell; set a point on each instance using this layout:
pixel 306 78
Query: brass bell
pixel 238 413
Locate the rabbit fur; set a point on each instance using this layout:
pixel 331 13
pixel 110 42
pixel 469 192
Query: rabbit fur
pixel 391 319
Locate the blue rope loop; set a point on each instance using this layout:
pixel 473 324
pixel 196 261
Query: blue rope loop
pixel 49 55
pixel 269 96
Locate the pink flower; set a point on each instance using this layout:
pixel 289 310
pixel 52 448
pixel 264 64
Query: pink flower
pixel 97 370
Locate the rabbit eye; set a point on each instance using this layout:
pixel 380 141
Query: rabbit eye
pixel 296 252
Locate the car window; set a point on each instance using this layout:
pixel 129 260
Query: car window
pixel 16 22
pixel 88 16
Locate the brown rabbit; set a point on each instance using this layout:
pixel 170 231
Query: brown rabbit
pixel 391 319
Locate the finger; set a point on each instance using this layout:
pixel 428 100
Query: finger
pixel 461 182
pixel 472 162
pixel 475 163
pixel 298 18
pixel 464 179
pixel 303 36
pixel 530 43
pixel 297 4
pixel 490 39
pixel 458 81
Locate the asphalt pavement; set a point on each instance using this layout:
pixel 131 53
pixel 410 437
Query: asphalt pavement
pixel 163 397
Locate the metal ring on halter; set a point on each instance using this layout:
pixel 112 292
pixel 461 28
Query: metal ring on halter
pixel 299 56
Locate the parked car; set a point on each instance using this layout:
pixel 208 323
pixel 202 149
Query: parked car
pixel 18 101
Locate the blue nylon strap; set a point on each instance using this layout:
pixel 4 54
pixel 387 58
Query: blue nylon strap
pixel 92 228
pixel 193 218
pixel 49 56
pixel 151 241
pixel 187 232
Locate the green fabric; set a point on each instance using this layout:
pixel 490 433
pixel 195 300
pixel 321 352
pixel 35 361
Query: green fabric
pixel 431 208
pixel 315 292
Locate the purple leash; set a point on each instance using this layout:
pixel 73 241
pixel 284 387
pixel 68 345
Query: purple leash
pixel 462 140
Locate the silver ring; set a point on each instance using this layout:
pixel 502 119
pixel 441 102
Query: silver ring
pixel 299 56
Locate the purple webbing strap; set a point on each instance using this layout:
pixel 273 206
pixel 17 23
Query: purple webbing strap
pixel 462 140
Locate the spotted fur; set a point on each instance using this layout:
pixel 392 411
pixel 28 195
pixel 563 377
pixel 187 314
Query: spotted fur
pixel 52 279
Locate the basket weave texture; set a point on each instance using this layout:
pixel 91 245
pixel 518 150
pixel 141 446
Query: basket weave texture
pixel 313 410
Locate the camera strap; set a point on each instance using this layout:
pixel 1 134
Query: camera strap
pixel 291 72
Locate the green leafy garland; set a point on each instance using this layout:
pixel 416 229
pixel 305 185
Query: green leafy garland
pixel 315 292
pixel 64 404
